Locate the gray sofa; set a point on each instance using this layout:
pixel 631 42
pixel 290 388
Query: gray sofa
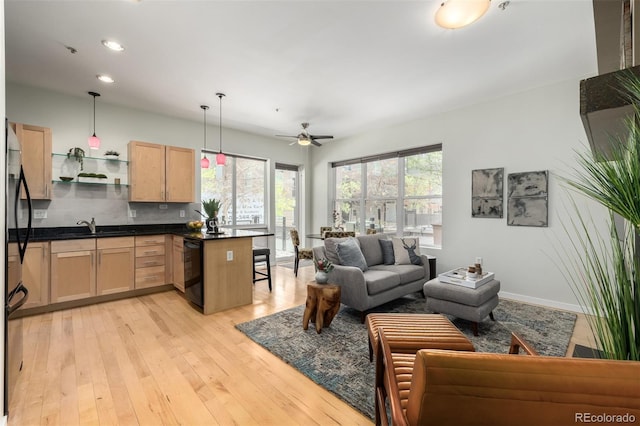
pixel 379 283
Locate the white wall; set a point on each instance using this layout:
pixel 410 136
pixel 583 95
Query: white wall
pixel 534 130
pixel 71 121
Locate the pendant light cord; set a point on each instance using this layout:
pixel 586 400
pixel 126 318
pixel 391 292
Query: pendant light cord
pixel 204 112
pixel 94 115
pixel 220 95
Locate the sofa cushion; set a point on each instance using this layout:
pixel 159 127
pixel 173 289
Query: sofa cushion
pixel 379 280
pixel 407 273
pixel 330 249
pixel 350 254
pixel 387 252
pixel 371 249
pixel 402 253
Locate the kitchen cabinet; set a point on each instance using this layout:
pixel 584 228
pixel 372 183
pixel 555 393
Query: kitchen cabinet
pixel 150 261
pixel 73 269
pixel 178 262
pixel 35 274
pixel 116 265
pixel 161 173
pixel 35 142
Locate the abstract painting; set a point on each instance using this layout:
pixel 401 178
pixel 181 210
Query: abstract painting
pixel 527 203
pixel 486 192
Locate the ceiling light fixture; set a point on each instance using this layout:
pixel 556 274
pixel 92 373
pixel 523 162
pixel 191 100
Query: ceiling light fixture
pixel 104 78
pixel 204 161
pixel 94 141
pixel 454 14
pixel 303 140
pixel 220 157
pixel 113 45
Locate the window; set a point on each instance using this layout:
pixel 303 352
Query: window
pixel 241 185
pixel 398 193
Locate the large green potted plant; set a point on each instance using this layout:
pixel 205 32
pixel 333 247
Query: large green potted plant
pixel 605 269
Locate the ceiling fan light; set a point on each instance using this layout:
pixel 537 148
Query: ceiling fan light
pixel 221 159
pixel 304 141
pixel 204 162
pixel 454 14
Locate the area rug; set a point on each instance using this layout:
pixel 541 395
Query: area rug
pixel 338 358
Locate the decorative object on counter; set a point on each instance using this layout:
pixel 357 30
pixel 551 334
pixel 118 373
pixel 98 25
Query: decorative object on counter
pixel 220 157
pixel 337 221
pixel 112 155
pixel 66 178
pixel 78 154
pixel 211 208
pixel 204 162
pixel 195 225
pixel 94 141
pixel 323 267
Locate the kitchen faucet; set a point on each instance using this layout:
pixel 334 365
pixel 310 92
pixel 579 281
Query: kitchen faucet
pixel 92 225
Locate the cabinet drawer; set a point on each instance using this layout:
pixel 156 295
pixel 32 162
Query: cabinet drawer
pixel 115 242
pixel 150 277
pixel 73 245
pixel 149 240
pixel 178 242
pixel 148 261
pixel 145 251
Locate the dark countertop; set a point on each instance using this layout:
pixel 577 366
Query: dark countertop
pixel 227 233
pixel 82 232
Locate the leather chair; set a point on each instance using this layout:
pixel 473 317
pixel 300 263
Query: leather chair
pixel 435 387
pixel 300 253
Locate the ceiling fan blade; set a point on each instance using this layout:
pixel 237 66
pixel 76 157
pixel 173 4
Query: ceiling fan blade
pixel 313 142
pixel 293 143
pixel 286 136
pixel 320 137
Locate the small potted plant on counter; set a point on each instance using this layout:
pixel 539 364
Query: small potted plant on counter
pixel 211 208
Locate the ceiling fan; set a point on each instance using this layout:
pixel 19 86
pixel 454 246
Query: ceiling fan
pixel 304 138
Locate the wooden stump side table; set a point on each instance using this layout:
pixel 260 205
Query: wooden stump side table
pixel 323 303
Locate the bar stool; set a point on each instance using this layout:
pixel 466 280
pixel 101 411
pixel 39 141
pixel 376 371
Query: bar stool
pixel 261 255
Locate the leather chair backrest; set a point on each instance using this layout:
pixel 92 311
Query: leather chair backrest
pixel 495 389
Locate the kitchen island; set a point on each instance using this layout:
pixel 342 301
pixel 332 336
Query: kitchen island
pixel 218 269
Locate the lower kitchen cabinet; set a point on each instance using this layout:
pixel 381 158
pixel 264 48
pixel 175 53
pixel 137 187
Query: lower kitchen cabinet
pixel 73 269
pixel 178 262
pixel 35 274
pixel 116 265
pixel 150 261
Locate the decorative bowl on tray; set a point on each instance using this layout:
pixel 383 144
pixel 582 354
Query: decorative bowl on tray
pixel 66 178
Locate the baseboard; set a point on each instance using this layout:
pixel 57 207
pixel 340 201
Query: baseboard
pixel 543 302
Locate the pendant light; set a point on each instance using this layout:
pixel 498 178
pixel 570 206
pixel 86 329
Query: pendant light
pixel 220 157
pixel 94 141
pixel 204 162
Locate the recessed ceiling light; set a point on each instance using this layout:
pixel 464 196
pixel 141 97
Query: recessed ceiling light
pixel 104 78
pixel 113 45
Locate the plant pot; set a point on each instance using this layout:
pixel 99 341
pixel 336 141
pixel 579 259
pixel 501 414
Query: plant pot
pixel 322 277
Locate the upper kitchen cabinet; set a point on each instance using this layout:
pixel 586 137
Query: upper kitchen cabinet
pixel 35 143
pixel 161 173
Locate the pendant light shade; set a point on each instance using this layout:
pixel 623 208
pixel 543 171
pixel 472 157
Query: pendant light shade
pixel 94 141
pixel 221 159
pixel 454 14
pixel 204 161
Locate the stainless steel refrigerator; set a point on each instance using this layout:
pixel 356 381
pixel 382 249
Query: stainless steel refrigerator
pixel 17 233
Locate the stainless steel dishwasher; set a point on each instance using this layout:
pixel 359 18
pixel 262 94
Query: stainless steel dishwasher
pixel 193 276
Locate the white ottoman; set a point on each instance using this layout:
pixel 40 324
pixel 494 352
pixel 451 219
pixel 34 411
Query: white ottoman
pixel 471 304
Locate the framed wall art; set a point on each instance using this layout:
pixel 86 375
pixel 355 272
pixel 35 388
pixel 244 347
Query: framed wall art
pixel 527 201
pixel 487 193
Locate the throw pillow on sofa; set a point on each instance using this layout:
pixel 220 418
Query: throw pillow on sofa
pixel 330 245
pixel 407 251
pixel 350 254
pixel 388 257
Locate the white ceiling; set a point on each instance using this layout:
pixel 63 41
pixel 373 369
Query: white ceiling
pixel 344 66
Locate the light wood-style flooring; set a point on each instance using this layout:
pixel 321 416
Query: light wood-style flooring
pixel 154 360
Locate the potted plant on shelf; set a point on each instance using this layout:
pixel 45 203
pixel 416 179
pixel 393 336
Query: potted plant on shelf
pixel 78 155
pixel 605 269
pixel 112 155
pixel 211 208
